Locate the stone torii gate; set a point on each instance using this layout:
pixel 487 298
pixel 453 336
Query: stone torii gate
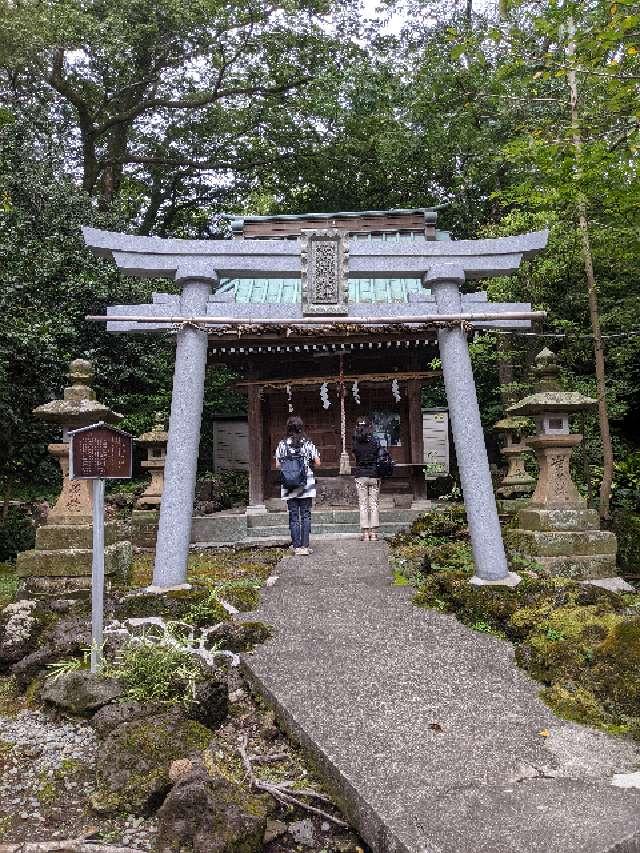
pixel 324 260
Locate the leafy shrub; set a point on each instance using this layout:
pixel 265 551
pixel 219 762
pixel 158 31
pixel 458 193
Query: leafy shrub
pixel 626 526
pixel 150 670
pixel 17 533
pixel 224 490
pixel 626 482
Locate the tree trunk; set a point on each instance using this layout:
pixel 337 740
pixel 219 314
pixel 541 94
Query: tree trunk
pixel 592 292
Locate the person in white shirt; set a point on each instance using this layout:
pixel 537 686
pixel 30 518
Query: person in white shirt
pixel 296 457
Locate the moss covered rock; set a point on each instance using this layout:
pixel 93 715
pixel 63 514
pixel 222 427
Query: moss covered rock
pixel 243 597
pixel 80 692
pixel 451 590
pixel 133 764
pixel 565 642
pixel 240 636
pixel 197 605
pixel 574 703
pixel 209 812
pixel 615 673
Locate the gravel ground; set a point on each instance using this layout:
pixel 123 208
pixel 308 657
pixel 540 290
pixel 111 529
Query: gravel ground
pixel 47 766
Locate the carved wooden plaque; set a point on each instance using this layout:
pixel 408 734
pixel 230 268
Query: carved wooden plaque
pixel 100 452
pixel 324 256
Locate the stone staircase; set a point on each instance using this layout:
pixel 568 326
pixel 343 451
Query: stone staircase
pixel 272 528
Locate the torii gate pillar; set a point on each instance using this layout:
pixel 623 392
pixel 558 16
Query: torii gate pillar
pixel 174 531
pixel 468 436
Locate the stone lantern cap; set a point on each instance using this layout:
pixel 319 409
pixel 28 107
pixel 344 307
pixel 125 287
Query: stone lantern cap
pixel 79 406
pixel 550 397
pixel 158 434
pixel 567 402
pixel 513 425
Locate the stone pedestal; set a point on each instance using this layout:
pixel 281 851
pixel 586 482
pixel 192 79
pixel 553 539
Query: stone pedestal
pixel 144 527
pixel 557 529
pixel 62 557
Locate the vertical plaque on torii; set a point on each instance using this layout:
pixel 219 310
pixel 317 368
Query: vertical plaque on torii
pixel 324 257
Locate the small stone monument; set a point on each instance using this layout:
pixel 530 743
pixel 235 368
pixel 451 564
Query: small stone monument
pixel 557 529
pixel 61 559
pixel 516 486
pixel 144 520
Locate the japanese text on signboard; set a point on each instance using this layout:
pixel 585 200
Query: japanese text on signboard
pixel 101 452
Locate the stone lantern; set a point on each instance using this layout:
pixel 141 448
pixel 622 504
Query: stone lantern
pixel 556 528
pixel 62 555
pixel 516 486
pixel 144 520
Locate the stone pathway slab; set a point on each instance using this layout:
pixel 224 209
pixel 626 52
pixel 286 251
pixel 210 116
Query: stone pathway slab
pixel 427 732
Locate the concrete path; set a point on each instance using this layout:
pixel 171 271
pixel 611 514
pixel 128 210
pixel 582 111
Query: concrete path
pixel 427 732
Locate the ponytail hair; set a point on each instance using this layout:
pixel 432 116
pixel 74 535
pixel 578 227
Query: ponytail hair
pixel 295 430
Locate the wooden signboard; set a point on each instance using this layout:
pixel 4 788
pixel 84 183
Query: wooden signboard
pixel 100 452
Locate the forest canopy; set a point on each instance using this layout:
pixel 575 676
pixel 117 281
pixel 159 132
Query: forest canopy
pixel 165 117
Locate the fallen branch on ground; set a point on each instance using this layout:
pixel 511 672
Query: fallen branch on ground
pixel 282 792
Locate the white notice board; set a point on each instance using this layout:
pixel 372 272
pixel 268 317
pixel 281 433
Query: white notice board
pixel 435 439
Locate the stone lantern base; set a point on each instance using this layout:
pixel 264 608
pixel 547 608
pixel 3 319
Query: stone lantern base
pixel 144 527
pixel 565 541
pixel 61 559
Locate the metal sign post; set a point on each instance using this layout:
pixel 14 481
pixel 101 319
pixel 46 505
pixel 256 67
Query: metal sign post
pixel 98 452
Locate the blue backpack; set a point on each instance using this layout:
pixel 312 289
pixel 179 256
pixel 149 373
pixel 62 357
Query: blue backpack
pixel 293 469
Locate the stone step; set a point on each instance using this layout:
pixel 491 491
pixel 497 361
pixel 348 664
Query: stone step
pixel 334 516
pixel 388 528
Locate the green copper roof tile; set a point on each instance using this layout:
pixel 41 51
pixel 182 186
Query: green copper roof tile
pixel 283 290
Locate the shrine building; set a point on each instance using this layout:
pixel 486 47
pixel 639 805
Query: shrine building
pixel 322 373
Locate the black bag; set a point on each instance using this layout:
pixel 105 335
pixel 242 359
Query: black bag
pixel 293 469
pixel 384 463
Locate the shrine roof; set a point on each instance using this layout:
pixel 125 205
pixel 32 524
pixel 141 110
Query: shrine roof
pixel 287 290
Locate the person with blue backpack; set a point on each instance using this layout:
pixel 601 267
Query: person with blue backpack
pixel 296 458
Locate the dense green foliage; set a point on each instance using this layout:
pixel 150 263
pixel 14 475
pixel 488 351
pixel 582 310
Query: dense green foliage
pixel 162 117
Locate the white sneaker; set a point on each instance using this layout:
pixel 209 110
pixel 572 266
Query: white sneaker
pixel 302 552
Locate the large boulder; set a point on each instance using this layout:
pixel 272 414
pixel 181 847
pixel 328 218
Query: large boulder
pixel 65 638
pixel 133 763
pixel 80 691
pixel 206 813
pixel 108 718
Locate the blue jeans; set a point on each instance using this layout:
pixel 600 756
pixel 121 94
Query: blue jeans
pixel 300 521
